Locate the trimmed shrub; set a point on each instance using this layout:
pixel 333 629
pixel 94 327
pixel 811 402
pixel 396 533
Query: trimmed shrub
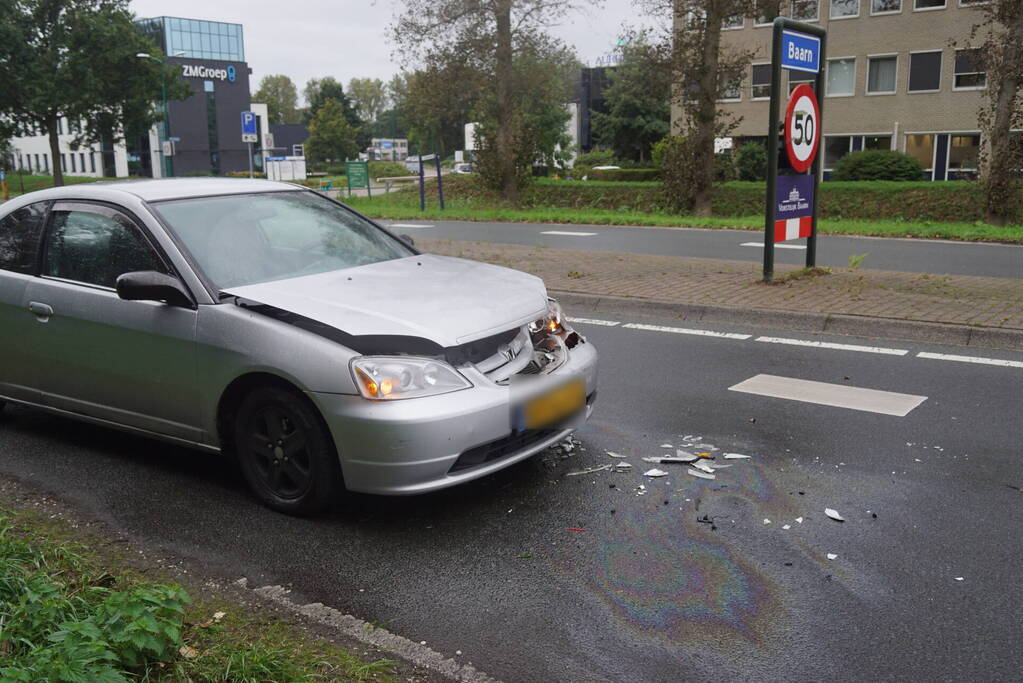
pixel 751 162
pixel 724 167
pixel 598 157
pixel 878 164
pixel 622 174
pixel 392 169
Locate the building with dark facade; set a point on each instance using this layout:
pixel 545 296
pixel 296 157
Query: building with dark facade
pixel 592 83
pixel 205 128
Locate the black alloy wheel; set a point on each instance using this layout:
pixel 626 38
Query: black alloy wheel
pixel 286 452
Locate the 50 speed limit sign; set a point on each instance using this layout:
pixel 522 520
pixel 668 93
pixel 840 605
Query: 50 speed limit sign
pixel 802 128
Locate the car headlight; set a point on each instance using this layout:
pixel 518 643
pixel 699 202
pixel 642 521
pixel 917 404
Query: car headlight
pixel 390 378
pixel 552 322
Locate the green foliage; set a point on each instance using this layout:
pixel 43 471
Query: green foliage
pixel 331 136
pixel 281 98
pixel 680 172
pixel 751 162
pixel 369 96
pixel 724 167
pixel 878 164
pixel 392 169
pixel 596 157
pixel 318 90
pixel 626 174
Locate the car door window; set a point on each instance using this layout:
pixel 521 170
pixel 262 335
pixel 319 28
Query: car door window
pixel 20 232
pixel 96 248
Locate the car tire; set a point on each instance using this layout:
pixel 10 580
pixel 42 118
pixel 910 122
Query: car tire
pixel 286 452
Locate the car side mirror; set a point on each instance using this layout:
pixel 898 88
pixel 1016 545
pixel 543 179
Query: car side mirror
pixel 407 239
pixel 148 285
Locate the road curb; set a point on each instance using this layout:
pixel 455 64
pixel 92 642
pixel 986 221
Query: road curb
pixel 803 321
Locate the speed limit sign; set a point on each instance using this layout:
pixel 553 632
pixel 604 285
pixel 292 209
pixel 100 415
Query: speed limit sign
pixel 802 128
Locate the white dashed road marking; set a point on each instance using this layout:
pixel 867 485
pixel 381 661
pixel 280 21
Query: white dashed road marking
pixel 568 233
pixel 836 395
pixel 831 345
pixel 776 246
pixel 593 321
pixel 410 225
pixel 686 330
pixel 971 359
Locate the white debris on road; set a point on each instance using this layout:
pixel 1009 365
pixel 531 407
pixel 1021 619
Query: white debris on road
pixel 698 473
pixel 589 471
pixel 655 473
pixel 737 456
pixel 832 556
pixel 615 455
pixel 833 514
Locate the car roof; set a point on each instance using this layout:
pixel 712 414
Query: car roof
pixel 162 189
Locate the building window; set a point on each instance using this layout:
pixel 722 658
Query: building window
pixel 921 148
pixel 877 142
pixel 924 71
pixel 735 22
pixel 81 161
pixel 928 4
pixel 805 10
pixel 46 163
pixel 207 86
pixel 298 150
pixel 835 147
pixel 766 12
pixel 841 76
pixel 92 162
pixel 60 125
pixel 730 88
pixel 967 3
pixel 964 150
pixel 881 73
pixel 969 70
pixel 761 81
pixel 63 163
pixel 800 77
pixel 39 166
pixel 843 9
pixel 885 6
pixel 74 169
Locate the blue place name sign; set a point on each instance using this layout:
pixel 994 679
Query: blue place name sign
pixel 800 52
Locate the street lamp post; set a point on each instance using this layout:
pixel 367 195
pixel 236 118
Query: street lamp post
pixel 168 161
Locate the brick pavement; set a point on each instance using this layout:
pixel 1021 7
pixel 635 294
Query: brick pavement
pixel 954 299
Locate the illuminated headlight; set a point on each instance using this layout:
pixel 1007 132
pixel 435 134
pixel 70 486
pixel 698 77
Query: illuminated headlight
pixel 385 378
pixel 552 323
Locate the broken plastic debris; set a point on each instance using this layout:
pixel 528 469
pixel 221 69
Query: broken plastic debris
pixel 704 467
pixel 589 471
pixel 667 445
pixel 575 528
pixel 959 578
pixel 766 520
pixel 707 447
pixel 188 652
pixel 655 473
pixel 217 616
pixel 615 455
pixel 706 455
pixel 737 456
pixel 698 473
pixel 832 556
pixel 786 527
pixel 799 519
pixel 833 514
pixel 622 467
pixel 715 465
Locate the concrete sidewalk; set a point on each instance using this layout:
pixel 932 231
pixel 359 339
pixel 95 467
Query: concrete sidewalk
pixel 969 310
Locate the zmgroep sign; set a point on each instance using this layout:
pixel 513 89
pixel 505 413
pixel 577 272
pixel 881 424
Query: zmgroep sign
pixel 228 73
pixel 802 128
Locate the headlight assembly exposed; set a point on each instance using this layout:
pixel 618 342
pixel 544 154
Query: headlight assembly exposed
pixel 386 378
pixel 552 323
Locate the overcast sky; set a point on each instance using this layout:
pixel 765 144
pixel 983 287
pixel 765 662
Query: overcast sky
pixel 312 38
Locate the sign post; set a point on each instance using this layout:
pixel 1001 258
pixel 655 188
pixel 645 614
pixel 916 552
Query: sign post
pixel 791 201
pixel 249 134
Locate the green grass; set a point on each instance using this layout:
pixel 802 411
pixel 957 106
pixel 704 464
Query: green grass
pixel 31 183
pixel 71 612
pixel 403 206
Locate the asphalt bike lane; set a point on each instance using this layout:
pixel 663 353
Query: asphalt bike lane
pixel 547 571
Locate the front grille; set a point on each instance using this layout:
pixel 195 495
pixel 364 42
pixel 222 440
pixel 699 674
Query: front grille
pixel 495 450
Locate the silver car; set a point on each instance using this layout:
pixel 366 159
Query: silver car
pixel 267 321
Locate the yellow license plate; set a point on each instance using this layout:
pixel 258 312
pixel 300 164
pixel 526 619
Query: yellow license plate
pixel 545 410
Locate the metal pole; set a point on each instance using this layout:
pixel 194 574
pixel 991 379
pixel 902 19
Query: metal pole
pixel 819 85
pixel 369 182
pixel 250 159
pixel 440 183
pixel 772 150
pixel 422 186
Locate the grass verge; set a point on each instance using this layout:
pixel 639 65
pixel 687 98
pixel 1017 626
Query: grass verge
pixel 71 613
pixel 404 206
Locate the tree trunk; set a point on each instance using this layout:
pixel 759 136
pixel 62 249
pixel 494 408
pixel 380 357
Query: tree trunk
pixel 706 114
pixel 51 132
pixel 999 158
pixel 505 138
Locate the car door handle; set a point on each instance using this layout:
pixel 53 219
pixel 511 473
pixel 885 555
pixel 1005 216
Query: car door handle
pixel 42 311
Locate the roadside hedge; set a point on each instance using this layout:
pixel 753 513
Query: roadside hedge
pixel 623 174
pixel 959 201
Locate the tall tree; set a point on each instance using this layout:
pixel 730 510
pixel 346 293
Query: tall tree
pixel 1000 31
pixel 700 70
pixel 489 34
pixel 77 58
pixel 280 96
pixel 331 136
pixel 438 102
pixel 638 102
pixel 369 96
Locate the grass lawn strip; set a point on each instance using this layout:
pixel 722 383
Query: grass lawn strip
pixel 74 606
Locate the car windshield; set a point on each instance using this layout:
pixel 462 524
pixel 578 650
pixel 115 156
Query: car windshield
pixel 244 239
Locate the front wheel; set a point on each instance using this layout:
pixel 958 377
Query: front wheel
pixel 286 452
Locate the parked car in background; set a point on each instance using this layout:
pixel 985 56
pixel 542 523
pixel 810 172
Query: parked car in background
pixel 462 167
pixel 266 320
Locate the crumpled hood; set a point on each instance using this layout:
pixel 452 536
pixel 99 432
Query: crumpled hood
pixel 449 301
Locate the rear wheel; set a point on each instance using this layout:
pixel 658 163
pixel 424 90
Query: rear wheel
pixel 286 452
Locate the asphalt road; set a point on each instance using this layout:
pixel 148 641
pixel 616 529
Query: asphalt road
pixel 647 592
pixel 882 253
